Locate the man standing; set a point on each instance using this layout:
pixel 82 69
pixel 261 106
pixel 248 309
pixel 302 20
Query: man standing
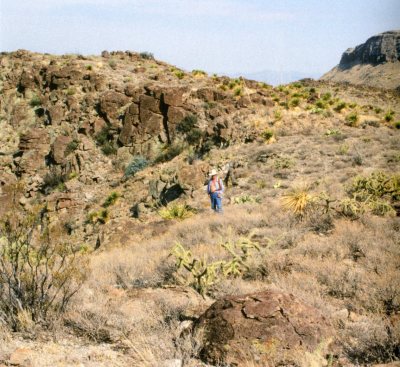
pixel 215 189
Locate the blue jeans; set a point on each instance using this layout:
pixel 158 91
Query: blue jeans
pixel 216 202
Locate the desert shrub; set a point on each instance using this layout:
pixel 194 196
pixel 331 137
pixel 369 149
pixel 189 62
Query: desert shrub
pixel 35 101
pixel 299 200
pixel 104 138
pixel 378 110
pixel 283 163
pixel 202 275
pixel 111 199
pixel 100 216
pixel 113 64
pixel 199 72
pixel 277 115
pixel 179 74
pixel 333 132
pixel 53 180
pixel 388 116
pixel 376 193
pixel 246 199
pixel 352 105
pixel 71 147
pixel 168 152
pixel 37 276
pixel 351 208
pixel 238 91
pixel 397 124
pixel 294 102
pixel 340 106
pixel 267 134
pixel 297 85
pixel 188 127
pixel 176 211
pixel 326 96
pixel 137 164
pixel 320 104
pixel 146 55
pixel 71 91
pixel 316 110
pixel 352 119
pixel 89 67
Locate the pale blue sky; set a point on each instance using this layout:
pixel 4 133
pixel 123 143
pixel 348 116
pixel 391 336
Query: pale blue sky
pixel 213 35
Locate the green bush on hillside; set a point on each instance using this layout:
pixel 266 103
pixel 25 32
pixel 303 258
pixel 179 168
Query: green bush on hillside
pixel 137 164
pixel 38 276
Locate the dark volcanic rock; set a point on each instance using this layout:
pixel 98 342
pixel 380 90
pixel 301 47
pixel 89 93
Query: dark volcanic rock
pixel 241 328
pixel 384 47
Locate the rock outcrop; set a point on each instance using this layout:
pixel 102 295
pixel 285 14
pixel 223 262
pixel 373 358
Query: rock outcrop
pixel 375 62
pixel 260 326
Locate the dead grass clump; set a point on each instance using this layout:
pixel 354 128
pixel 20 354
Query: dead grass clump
pixel 371 340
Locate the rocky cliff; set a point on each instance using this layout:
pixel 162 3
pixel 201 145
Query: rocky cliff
pixel 375 62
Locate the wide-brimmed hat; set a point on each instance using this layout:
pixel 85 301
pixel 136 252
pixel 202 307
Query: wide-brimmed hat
pixel 213 172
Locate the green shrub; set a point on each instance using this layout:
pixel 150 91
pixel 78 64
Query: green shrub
pixel 168 152
pixel 377 192
pixel 333 132
pixel 89 67
pixel 100 216
pixel 340 106
pixel 137 164
pixel 277 115
pixel 38 276
pixel 389 116
pixel 71 91
pixel 283 163
pixel 317 110
pixel 397 124
pixel 352 119
pixel 326 96
pixel 267 134
pixel 35 101
pixel 179 74
pixel 53 180
pixel 176 211
pixel 146 55
pixel 196 72
pixel 352 105
pixel 320 104
pixel 378 110
pixel 111 199
pixel 297 85
pixel 105 140
pixel 246 199
pixel 113 64
pixel 71 147
pixel 188 127
pixel 294 102
pixel 238 91
pixel 203 275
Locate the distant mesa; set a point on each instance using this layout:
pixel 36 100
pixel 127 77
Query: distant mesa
pixel 375 63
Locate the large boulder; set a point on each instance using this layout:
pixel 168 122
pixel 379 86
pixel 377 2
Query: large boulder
pixel 260 327
pixel 33 149
pixel 110 105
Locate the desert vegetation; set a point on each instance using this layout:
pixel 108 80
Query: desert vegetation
pixel 110 254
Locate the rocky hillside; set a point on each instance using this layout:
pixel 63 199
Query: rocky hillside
pixel 112 153
pixel 375 63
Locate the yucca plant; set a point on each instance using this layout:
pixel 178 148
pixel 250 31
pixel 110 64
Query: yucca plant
pixel 299 200
pixel 176 211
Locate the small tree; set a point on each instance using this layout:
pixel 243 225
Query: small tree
pixel 37 277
